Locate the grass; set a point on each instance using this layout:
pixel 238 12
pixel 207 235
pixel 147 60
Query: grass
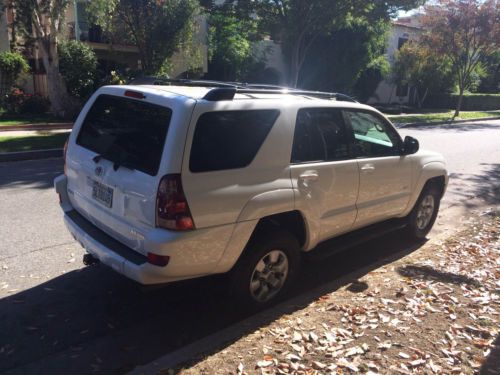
pixel 32 142
pixel 6 120
pixel 442 116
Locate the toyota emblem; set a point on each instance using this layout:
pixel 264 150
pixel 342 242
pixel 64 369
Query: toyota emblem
pixel 98 171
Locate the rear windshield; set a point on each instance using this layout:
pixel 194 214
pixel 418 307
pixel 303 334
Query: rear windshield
pixel 127 132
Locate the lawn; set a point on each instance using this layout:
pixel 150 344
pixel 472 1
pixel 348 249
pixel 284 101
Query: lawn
pixel 442 116
pixel 6 120
pixel 32 142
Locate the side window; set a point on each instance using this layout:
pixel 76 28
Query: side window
pixel 373 137
pixel 229 139
pixel 320 135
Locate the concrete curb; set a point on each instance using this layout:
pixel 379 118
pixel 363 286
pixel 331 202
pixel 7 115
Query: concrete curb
pixel 448 122
pixel 40 127
pixel 30 155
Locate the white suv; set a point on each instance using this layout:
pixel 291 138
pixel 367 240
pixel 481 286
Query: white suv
pixel 187 179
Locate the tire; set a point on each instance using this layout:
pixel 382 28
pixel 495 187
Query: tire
pixel 266 269
pixel 424 213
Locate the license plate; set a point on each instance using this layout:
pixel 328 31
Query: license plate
pixel 102 193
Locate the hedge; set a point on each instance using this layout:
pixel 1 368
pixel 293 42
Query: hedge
pixel 471 102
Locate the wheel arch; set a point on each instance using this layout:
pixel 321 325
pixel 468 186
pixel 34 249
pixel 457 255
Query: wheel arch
pixel 433 173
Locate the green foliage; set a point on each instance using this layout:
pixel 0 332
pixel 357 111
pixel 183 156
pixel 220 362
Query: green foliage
pixel 35 104
pixel 231 36
pixel 337 61
pixel 369 79
pixel 17 102
pixel 420 67
pixel 297 24
pixel 12 65
pixel 470 102
pixel 157 28
pixel 78 66
pixel 491 81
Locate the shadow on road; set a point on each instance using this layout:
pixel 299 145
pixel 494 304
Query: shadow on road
pixel 485 184
pixel 93 320
pixel 38 174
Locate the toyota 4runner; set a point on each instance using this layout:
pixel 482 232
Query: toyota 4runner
pixel 192 178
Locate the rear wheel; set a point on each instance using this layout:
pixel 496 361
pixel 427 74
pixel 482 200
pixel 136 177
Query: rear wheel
pixel 266 270
pixel 424 214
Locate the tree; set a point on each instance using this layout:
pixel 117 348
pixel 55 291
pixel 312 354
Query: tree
pixel 418 66
pixel 464 31
pixel 42 22
pixel 78 66
pixel 156 27
pixel 297 24
pixel 337 60
pixel 231 43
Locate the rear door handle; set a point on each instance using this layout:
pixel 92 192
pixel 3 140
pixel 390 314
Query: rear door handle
pixel 309 176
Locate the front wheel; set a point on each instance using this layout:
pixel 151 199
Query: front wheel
pixel 266 269
pixel 424 214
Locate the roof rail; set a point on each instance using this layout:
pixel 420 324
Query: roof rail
pixel 226 90
pixel 218 93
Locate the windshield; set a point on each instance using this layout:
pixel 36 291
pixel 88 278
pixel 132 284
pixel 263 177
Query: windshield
pixel 127 132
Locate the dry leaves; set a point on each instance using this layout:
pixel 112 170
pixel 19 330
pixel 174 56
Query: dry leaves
pixel 434 311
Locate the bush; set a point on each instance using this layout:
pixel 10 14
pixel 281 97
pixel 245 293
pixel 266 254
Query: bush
pixel 35 104
pixel 17 102
pixel 78 66
pixel 12 65
pixel 471 102
pixel 14 100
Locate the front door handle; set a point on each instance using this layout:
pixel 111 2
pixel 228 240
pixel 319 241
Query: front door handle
pixel 367 168
pixel 309 176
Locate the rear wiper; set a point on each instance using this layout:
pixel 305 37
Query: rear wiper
pixel 97 158
pixel 119 164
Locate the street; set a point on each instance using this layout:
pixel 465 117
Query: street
pixel 58 316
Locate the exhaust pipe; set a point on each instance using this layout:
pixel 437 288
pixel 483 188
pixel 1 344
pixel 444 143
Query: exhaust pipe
pixel 89 259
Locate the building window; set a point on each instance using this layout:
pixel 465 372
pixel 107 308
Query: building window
pixel 401 42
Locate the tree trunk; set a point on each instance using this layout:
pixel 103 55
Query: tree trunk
pixel 459 103
pixel 294 68
pixel 55 83
pixel 57 90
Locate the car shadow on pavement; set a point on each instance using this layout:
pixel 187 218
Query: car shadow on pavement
pixel 39 174
pixel 95 321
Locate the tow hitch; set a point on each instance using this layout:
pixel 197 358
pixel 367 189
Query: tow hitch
pixel 89 259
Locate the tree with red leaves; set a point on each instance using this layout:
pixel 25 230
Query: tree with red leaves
pixel 464 31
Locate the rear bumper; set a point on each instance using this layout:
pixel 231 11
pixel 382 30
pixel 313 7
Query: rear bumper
pixel 192 254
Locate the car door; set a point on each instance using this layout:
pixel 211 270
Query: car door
pixel 385 174
pixel 325 178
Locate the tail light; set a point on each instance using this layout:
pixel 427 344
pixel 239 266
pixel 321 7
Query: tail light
pixel 172 210
pixel 65 150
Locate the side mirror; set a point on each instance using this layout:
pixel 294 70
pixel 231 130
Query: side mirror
pixel 410 146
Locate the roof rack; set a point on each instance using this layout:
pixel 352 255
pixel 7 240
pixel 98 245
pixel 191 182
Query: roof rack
pixel 227 90
pixel 228 93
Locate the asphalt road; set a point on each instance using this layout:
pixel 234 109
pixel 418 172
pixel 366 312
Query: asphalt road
pixel 57 316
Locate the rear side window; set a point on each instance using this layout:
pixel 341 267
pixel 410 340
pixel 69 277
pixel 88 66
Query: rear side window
pixel 229 139
pixel 321 135
pixel 127 132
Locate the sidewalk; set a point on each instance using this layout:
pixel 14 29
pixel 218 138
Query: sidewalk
pixel 433 311
pixel 39 127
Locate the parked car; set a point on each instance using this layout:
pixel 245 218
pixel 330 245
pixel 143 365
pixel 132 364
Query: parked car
pixel 187 179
